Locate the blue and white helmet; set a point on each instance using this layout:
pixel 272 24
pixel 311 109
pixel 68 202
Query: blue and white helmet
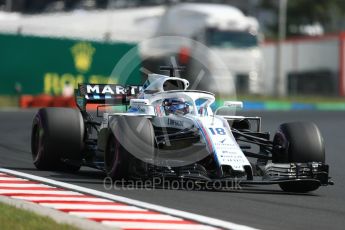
pixel 177 106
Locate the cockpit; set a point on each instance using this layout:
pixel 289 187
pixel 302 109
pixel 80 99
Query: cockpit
pixel 196 103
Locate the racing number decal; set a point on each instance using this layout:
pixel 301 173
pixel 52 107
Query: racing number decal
pixel 219 131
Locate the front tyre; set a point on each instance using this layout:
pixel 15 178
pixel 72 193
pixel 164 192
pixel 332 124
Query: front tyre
pixel 132 139
pixel 116 159
pixel 298 142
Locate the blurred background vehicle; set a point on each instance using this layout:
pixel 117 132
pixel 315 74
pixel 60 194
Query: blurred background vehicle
pixel 228 33
pixel 273 48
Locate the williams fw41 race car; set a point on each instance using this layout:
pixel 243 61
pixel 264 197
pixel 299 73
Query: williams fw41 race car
pixel 167 131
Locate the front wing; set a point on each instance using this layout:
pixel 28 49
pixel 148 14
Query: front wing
pixel 273 174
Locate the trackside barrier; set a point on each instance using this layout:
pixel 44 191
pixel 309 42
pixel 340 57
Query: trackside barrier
pixel 29 101
pixel 43 100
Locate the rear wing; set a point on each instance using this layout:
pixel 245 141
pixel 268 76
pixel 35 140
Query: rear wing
pixel 109 94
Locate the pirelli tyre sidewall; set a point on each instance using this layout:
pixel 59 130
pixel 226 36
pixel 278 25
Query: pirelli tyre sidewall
pixel 133 139
pixel 116 159
pixel 57 139
pixel 136 135
pixel 299 142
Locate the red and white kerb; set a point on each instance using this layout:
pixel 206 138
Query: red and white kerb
pixel 102 210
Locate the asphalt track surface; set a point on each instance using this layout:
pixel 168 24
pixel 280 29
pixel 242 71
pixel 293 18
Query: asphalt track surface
pixel 265 207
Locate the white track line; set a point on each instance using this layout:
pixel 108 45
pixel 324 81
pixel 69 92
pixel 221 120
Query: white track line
pixel 55 198
pixel 38 192
pixel 91 207
pixel 145 225
pixel 173 212
pixel 10 185
pixel 2 178
pixel 105 215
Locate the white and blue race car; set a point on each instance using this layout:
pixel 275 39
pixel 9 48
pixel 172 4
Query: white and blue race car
pixel 170 132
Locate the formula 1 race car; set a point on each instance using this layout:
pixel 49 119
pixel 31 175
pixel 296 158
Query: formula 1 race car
pixel 169 131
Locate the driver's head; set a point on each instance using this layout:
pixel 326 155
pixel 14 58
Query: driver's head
pixel 177 106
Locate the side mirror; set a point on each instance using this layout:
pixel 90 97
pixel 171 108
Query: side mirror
pixel 139 102
pixel 234 104
pixel 229 108
pixel 142 106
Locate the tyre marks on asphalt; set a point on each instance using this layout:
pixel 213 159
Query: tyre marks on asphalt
pixel 102 210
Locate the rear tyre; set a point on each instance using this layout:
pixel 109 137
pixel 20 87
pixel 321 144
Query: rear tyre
pixel 57 139
pixel 298 142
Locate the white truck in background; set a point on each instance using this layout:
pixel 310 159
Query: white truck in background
pixel 224 29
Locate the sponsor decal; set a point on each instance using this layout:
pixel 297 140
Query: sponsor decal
pixel 175 123
pixel 112 89
pixel 82 55
pixel 106 89
pixel 55 82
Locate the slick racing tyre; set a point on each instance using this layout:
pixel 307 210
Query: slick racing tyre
pixel 132 139
pixel 116 159
pixel 300 142
pixel 57 139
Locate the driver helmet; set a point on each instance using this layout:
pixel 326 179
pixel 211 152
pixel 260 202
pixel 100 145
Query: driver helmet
pixel 177 106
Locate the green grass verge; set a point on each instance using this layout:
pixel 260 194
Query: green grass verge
pixel 297 99
pixel 14 218
pixel 8 101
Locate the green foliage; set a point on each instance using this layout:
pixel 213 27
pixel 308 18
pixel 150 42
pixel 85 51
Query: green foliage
pixel 311 11
pixel 14 218
pixel 329 13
